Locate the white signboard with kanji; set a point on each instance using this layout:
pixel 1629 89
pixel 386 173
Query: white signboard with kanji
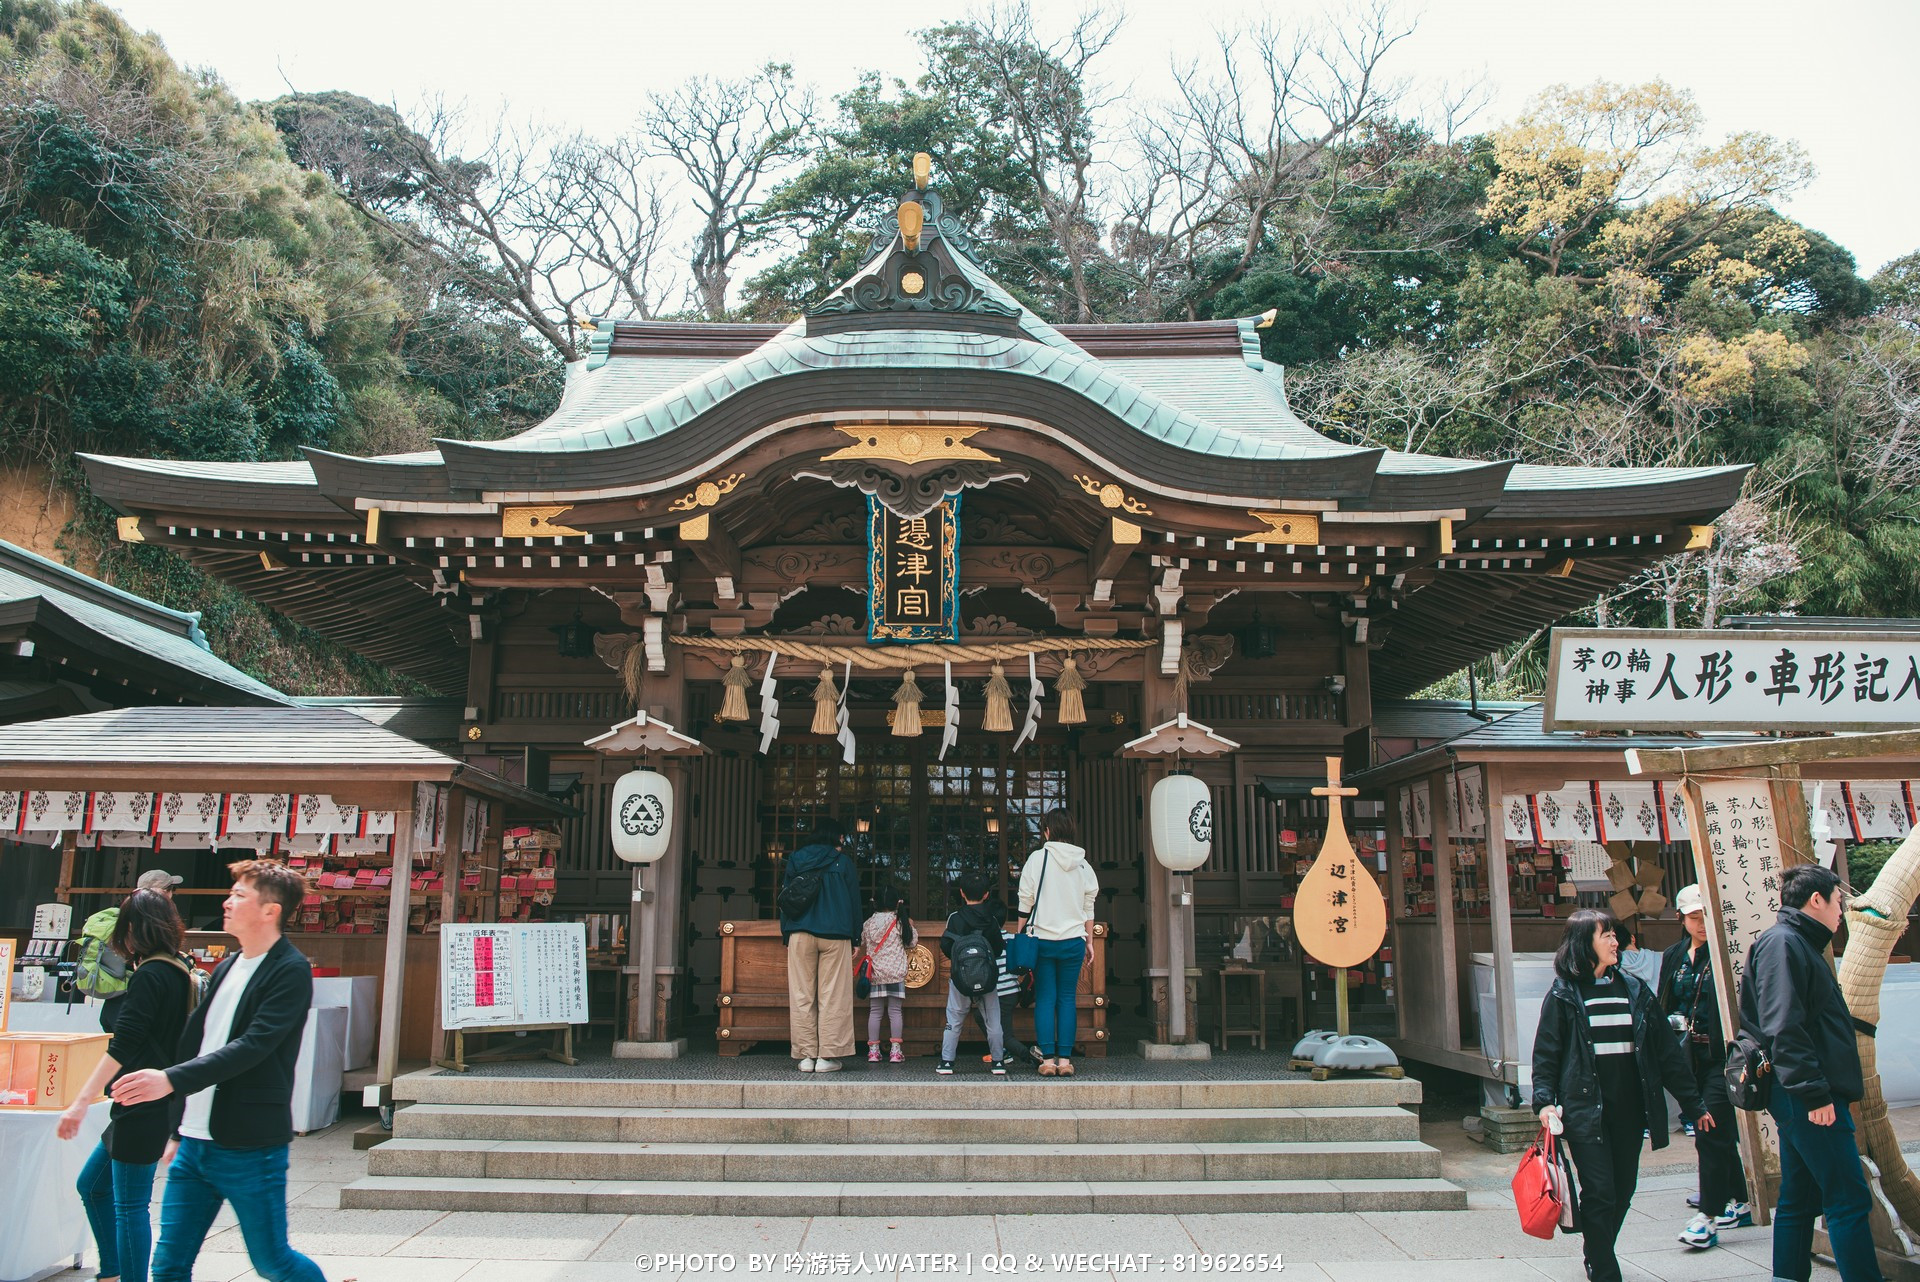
pixel 1646 679
pixel 512 974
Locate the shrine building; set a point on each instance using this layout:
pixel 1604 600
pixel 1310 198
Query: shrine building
pixel 837 555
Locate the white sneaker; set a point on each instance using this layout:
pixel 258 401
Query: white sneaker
pixel 806 1066
pixel 1699 1233
pixel 826 1066
pixel 1738 1215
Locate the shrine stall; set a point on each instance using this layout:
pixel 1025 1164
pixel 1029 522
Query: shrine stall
pixel 1497 834
pixel 367 816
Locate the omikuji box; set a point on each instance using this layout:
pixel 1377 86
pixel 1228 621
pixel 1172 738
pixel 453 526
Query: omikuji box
pixel 46 1070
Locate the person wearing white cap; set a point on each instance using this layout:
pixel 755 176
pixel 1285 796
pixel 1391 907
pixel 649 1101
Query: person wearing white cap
pixel 1692 1007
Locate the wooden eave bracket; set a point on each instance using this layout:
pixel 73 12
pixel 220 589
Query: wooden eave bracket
pixel 643 735
pixel 716 551
pixel 1187 738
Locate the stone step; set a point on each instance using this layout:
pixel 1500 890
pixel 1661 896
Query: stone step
pixel 871 1126
pixel 902 1163
pixel 1138 1197
pixel 851 1089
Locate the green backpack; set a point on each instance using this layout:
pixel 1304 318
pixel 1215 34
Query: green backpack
pixel 102 971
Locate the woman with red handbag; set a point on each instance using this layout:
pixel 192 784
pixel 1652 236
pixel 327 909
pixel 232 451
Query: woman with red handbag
pixel 884 941
pixel 1601 1056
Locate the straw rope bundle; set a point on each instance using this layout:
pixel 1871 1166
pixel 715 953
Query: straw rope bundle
pixel 1875 921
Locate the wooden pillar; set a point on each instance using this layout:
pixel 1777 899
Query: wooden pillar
pixel 1501 910
pixel 1443 911
pixel 63 889
pixel 458 799
pixel 1169 929
pixel 657 919
pixel 393 979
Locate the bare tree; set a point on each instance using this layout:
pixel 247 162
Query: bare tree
pixel 547 230
pixel 1257 141
pixel 730 139
pixel 1039 95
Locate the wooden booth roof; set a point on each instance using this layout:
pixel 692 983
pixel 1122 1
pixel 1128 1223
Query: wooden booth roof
pixel 1161 461
pixel 313 749
pixel 100 636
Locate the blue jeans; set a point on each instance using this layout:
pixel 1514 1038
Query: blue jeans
pixel 251 1180
pixel 119 1198
pixel 1820 1173
pixel 1056 985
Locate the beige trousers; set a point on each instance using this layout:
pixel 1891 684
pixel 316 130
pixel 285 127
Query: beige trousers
pixel 820 996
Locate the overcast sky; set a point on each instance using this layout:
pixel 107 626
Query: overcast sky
pixel 1834 76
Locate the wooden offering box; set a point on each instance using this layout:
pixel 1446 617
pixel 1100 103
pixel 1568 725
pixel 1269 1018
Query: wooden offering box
pixel 753 994
pixel 44 1071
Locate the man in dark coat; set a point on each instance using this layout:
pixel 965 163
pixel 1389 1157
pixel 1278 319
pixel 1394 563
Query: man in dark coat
pixel 820 951
pixel 1792 1003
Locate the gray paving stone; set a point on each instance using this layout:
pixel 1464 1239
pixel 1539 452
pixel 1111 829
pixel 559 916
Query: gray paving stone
pixel 320 1231
pixel 1261 1197
pixel 1496 1270
pixel 510 1236
pixel 765 1234
pixel 1468 1235
pixel 1320 1236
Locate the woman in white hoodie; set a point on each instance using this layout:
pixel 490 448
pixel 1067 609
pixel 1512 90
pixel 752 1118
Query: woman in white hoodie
pixel 1057 894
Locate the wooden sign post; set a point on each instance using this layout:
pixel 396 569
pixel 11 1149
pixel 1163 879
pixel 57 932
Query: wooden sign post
pixel 1339 914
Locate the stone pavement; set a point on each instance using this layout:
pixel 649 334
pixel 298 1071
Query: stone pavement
pixel 1481 1244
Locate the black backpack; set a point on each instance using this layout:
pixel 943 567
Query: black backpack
pixel 1749 1072
pixel 974 972
pixel 799 893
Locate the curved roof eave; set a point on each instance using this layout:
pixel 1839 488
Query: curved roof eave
pixel 124 483
pixel 1535 491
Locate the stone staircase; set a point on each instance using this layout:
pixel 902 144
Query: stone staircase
pixel 930 1146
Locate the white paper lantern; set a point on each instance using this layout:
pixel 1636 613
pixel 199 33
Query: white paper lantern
pixel 642 816
pixel 1180 817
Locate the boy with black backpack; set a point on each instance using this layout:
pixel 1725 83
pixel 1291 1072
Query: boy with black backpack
pixel 973 945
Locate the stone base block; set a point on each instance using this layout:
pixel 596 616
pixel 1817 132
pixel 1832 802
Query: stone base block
pixel 1175 1050
pixel 650 1050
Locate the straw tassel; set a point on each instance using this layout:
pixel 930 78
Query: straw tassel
pixel 999 702
pixel 826 705
pixel 906 707
pixel 1073 707
pixel 734 706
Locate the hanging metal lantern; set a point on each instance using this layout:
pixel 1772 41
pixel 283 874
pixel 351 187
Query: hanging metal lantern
pixel 642 816
pixel 1180 819
pixel 576 638
pixel 1259 640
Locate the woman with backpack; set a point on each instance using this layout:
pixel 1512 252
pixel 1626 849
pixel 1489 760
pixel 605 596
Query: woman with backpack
pixel 116 1184
pixel 1058 889
pixel 1600 1058
pixel 884 941
pixel 819 904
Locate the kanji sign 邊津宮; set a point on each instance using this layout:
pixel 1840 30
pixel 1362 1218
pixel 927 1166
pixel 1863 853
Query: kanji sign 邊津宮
pixel 913 573
pixel 1642 679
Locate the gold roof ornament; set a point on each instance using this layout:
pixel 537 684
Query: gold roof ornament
pixel 922 170
pixel 916 444
pixel 912 218
pixel 1297 528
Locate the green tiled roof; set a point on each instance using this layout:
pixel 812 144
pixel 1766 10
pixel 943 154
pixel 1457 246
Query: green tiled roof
pixel 119 618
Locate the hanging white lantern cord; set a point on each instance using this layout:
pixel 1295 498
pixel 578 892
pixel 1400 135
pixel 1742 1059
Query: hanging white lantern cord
pixel 769 704
pixel 845 734
pixel 1034 693
pixel 950 733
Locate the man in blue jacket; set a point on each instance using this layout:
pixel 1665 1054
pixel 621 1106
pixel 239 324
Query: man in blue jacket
pixel 819 943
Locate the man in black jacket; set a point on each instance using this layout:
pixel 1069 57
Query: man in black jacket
pixel 1793 1005
pixel 236 1085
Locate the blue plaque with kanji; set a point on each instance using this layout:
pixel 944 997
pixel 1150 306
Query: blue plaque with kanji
pixel 913 574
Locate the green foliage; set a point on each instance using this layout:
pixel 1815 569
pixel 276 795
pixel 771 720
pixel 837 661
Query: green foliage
pixel 172 283
pixel 1865 859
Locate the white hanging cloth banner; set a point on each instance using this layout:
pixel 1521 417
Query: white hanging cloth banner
pixel 1516 811
pixel 950 732
pixel 845 733
pixel 1467 803
pixel 1034 692
pixel 1628 811
pixel 769 704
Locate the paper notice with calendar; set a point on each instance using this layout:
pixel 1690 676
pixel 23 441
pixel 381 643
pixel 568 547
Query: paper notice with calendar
pixel 510 975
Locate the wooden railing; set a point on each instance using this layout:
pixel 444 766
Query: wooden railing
pixel 1219 707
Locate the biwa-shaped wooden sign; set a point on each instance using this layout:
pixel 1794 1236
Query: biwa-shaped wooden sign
pixel 1339 914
